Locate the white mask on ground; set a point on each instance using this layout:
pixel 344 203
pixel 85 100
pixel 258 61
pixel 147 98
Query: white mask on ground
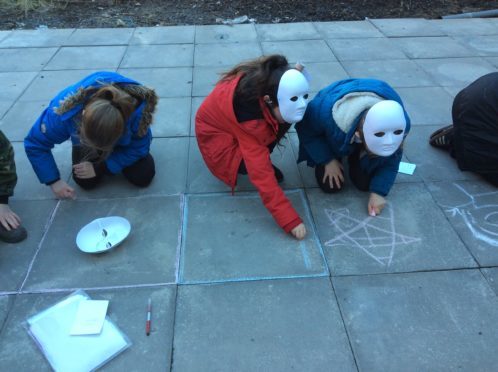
pixel 292 96
pixel 384 127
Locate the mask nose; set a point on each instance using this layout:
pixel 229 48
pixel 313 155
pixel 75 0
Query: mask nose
pixel 302 102
pixel 389 140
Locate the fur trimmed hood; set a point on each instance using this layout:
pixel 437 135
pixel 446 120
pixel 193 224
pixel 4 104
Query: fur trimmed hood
pixel 139 92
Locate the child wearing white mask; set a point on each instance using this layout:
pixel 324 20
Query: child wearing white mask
pixel 243 119
pixel 362 119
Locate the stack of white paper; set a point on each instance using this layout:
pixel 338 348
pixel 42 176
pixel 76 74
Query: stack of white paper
pixel 51 329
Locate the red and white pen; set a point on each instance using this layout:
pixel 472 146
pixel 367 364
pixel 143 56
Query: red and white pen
pixel 147 322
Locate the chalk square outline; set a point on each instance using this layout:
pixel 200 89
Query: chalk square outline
pixel 250 195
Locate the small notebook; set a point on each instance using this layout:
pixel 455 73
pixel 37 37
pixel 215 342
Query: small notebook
pixel 51 330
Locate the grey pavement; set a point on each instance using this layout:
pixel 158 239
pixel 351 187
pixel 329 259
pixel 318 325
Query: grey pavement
pixel 413 289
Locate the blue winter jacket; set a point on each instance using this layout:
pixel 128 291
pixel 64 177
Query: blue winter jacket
pixel 60 121
pixel 321 139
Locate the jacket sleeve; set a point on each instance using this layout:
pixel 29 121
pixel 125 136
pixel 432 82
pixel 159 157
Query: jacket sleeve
pixel 384 177
pixel 8 176
pixel 260 171
pixel 47 131
pixel 124 156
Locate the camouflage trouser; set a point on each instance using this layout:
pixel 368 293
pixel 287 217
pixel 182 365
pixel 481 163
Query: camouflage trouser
pixel 8 176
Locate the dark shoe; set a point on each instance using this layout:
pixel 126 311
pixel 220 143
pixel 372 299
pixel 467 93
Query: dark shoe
pixel 278 174
pixel 442 138
pixel 14 235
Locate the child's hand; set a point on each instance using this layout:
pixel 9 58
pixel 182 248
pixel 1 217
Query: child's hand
pixel 62 190
pixel 375 204
pixel 8 218
pixel 84 170
pixel 299 232
pixel 333 171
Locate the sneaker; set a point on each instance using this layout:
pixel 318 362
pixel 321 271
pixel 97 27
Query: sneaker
pixel 278 174
pixel 14 235
pixel 442 138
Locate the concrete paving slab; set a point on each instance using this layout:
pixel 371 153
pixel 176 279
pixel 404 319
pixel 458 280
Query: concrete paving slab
pixel 147 256
pixel 100 36
pixel 300 50
pixel 471 208
pixel 365 49
pixel 36 38
pixel 225 34
pixel 87 57
pixel 432 164
pixel 404 27
pixel 493 61
pixel 172 117
pixel 427 105
pixel 287 31
pixel 245 327
pixel 4 107
pixel 325 73
pixel 455 71
pixel 163 35
pixel 14 84
pixel 5 304
pixel 205 78
pixel 48 84
pixel 15 259
pixel 226 54
pixel 176 82
pixel 432 47
pixel 28 186
pixel 357 244
pixel 20 118
pixel 453 91
pixel 4 34
pixel 236 252
pixel 126 310
pixel 347 30
pixel 25 59
pixel 480 45
pixel 420 321
pixel 491 275
pixel 170 157
pixel 475 26
pixel 146 56
pixel 398 73
pixel 201 180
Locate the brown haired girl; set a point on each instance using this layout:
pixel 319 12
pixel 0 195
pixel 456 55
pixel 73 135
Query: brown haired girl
pixel 240 122
pixel 107 116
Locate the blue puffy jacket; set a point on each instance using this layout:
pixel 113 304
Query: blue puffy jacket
pixel 60 120
pixel 321 139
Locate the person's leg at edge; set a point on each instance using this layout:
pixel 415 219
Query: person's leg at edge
pixel 141 172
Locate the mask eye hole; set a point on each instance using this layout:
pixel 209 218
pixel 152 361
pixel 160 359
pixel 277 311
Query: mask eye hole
pixel 379 134
pixel 398 132
pixel 294 99
pixel 306 96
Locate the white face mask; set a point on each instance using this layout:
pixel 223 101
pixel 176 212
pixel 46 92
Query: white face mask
pixel 384 127
pixel 292 96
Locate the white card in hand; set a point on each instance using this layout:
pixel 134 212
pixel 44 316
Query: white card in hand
pixel 406 168
pixel 90 317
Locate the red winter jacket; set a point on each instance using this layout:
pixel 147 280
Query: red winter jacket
pixel 224 142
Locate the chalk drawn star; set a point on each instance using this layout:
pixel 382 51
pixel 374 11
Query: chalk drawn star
pixel 379 243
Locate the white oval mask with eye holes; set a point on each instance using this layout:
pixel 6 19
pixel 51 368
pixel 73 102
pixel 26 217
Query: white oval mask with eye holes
pixel 384 127
pixel 292 96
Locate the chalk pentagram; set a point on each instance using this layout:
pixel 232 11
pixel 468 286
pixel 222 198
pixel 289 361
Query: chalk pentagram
pixel 377 242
